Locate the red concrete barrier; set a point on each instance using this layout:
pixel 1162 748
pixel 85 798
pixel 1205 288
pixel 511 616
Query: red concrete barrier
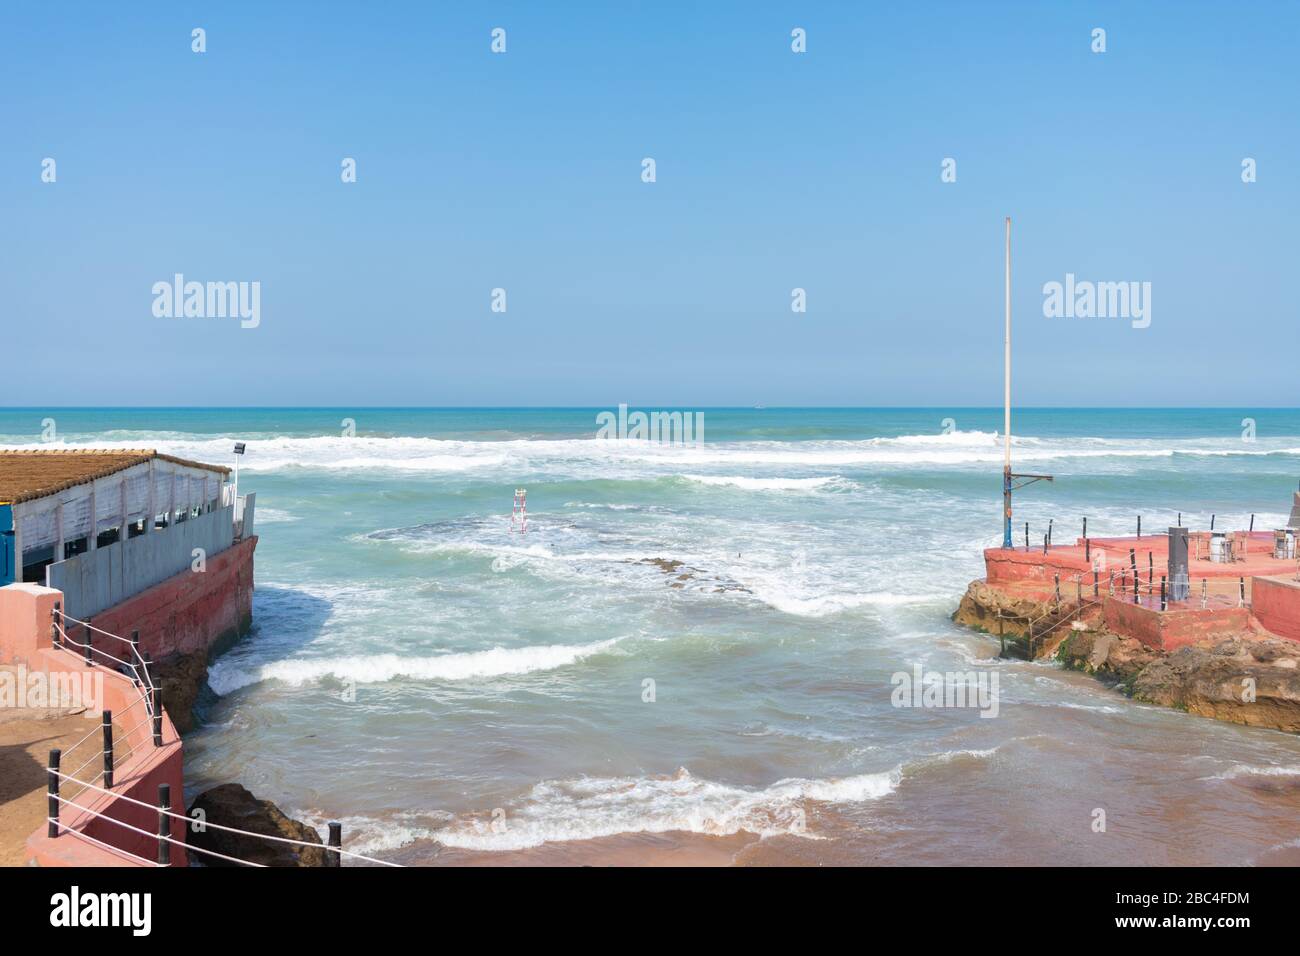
pixel 1171 629
pixel 190 611
pixel 1276 605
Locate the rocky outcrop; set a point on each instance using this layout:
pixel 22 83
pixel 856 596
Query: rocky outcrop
pixel 1112 658
pixel 182 678
pixel 1244 680
pixel 1027 627
pixel 1248 678
pixel 995 612
pixel 232 805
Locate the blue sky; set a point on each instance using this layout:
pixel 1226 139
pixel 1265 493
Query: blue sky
pixel 522 171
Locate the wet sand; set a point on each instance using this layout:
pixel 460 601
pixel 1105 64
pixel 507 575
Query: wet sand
pixel 632 849
pixel 26 738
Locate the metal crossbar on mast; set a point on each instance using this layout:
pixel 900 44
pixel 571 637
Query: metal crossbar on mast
pixel 1009 478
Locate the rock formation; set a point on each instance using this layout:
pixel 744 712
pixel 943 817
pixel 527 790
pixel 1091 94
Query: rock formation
pixel 232 805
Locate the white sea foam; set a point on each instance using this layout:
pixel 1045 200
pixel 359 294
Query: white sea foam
pixel 771 484
pixel 1246 770
pixel 588 808
pixel 266 515
pixel 590 457
pixel 226 676
pixel 372 837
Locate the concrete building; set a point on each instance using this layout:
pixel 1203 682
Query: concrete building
pixel 103 526
pixel 158 551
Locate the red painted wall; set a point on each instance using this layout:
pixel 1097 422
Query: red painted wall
pixel 1276 605
pixel 192 610
pixel 1035 569
pixel 1172 629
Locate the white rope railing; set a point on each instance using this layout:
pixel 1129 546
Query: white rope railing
pixel 155 836
pixel 139 668
pixel 217 826
pixel 116 851
pixel 144 679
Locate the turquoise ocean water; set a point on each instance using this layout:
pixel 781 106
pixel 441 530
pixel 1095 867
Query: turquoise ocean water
pixel 688 656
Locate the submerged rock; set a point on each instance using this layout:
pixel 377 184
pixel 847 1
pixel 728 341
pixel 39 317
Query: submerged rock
pixel 231 805
pixel 682 574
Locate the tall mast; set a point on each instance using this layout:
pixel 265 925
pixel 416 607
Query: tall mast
pixel 1006 403
pixel 1008 478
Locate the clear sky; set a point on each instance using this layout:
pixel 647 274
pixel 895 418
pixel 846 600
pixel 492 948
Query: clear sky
pixel 522 171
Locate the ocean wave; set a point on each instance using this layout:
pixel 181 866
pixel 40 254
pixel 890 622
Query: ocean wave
pixel 588 808
pixel 1246 770
pixel 227 676
pixel 592 457
pixel 771 484
pixel 266 515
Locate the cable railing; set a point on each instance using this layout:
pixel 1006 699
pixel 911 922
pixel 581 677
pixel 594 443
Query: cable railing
pixel 139 669
pixel 137 664
pixel 334 849
pixel 1059 612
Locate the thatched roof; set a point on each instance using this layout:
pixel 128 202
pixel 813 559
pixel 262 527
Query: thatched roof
pixel 25 475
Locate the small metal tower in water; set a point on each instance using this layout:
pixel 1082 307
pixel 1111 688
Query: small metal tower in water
pixel 519 514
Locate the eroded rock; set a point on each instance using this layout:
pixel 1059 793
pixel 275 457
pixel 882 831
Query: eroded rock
pixel 232 805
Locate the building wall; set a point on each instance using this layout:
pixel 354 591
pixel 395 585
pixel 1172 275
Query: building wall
pixel 99 579
pixel 191 611
pixel 1276 605
pixel 1172 629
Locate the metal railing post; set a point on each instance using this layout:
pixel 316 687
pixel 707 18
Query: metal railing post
pixel 88 646
pixel 164 824
pixel 157 716
pixel 52 793
pixel 108 750
pixel 335 841
pixel 54 626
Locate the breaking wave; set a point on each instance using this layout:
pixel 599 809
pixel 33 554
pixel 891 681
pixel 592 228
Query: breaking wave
pixel 589 808
pixel 225 677
pixel 591 457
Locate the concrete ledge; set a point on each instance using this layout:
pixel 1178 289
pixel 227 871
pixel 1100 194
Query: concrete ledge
pixel 1174 628
pixel 1276 604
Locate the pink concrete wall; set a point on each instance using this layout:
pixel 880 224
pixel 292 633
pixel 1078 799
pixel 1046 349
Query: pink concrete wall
pixel 192 610
pixel 1033 567
pixel 1172 629
pixel 25 614
pixel 1276 605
